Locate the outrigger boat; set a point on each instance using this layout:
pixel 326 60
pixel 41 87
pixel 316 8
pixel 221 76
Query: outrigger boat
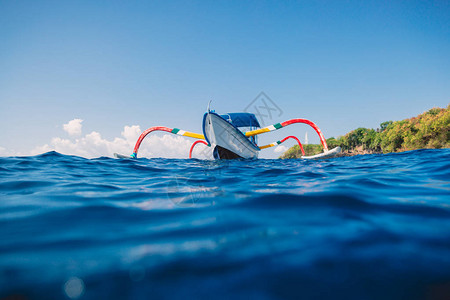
pixel 234 135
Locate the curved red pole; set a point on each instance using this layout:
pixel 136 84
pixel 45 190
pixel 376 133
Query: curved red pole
pixel 298 142
pixel 308 122
pixel 193 145
pixel 144 134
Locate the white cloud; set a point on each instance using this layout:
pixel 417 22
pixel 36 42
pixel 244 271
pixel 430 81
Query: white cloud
pixel 38 150
pixel 131 133
pixel 4 152
pixel 280 148
pixel 73 128
pixel 94 145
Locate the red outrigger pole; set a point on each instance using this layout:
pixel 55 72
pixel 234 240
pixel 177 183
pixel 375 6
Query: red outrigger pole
pixel 287 123
pixel 195 143
pixel 200 137
pixel 166 129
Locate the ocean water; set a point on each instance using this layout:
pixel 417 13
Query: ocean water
pixel 363 227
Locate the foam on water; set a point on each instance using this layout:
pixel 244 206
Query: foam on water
pixel 363 227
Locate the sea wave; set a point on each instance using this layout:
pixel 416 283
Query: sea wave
pixel 362 227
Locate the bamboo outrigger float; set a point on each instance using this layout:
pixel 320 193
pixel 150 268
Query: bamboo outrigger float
pixel 229 138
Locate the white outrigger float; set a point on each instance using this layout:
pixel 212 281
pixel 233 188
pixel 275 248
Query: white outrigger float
pixel 234 135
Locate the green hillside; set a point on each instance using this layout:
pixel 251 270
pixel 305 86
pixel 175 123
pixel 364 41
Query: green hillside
pixel 429 130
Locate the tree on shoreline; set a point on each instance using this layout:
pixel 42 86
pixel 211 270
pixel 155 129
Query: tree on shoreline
pixel 430 129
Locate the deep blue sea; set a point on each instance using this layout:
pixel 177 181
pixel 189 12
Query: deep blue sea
pixel 362 227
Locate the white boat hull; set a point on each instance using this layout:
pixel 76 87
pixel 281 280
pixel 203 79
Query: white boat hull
pixel 218 132
pixel 327 154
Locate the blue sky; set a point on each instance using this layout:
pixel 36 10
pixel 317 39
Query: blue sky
pixel 342 64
